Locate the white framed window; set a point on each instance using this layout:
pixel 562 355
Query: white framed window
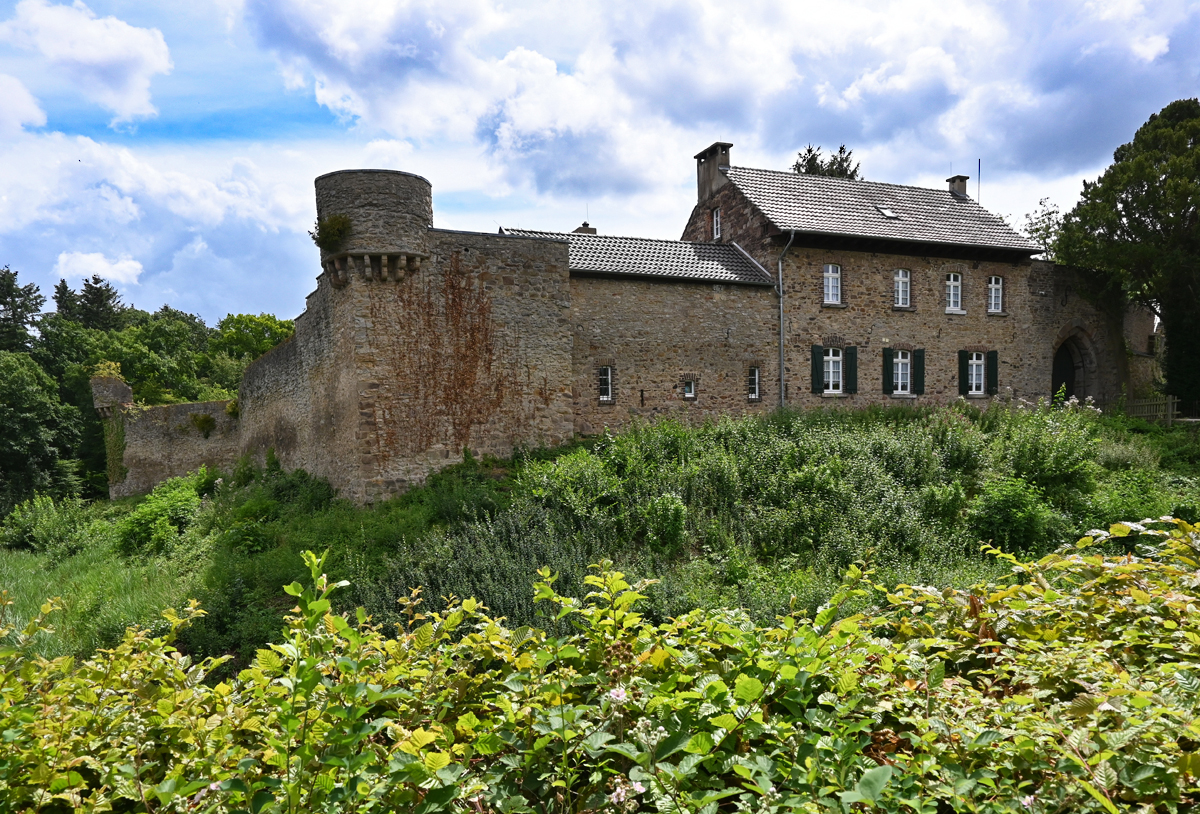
pixel 689 388
pixel 604 383
pixel 752 384
pixel 953 292
pixel 901 372
pixel 833 370
pixel 716 223
pixel 995 295
pixel 833 283
pixel 902 281
pixel 975 374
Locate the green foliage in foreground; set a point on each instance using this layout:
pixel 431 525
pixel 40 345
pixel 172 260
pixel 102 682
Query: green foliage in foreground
pixel 1071 685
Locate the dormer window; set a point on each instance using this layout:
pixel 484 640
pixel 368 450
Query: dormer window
pixel 716 224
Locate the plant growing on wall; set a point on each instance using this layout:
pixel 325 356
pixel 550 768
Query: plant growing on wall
pixel 330 233
pixel 203 422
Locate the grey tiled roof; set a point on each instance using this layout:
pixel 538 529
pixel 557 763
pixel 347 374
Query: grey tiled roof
pixel 835 206
pixel 643 256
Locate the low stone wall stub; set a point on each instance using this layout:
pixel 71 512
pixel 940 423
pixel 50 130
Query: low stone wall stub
pixel 170 440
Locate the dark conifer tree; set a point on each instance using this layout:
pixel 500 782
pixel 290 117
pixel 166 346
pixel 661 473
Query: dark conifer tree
pixel 100 305
pixel 19 305
pixel 66 301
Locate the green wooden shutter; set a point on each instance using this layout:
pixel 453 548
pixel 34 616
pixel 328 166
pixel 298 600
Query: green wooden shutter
pixel 918 372
pixel 991 373
pixel 962 372
pixel 850 369
pixel 889 386
pixel 818 369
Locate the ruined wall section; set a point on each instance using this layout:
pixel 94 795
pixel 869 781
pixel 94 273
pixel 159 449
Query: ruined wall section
pixel 473 350
pixel 657 334
pixel 170 440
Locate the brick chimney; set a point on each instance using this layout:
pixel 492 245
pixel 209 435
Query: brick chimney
pixel 584 230
pixel 958 185
pixel 709 163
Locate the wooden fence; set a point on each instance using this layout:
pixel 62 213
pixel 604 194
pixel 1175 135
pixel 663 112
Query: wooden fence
pixel 1161 408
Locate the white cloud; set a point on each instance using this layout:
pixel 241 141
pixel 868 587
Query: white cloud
pixel 1150 47
pixel 124 270
pixel 111 61
pixel 19 108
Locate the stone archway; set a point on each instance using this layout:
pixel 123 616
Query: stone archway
pixel 1074 366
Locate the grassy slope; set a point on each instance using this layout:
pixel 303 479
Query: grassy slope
pixel 744 513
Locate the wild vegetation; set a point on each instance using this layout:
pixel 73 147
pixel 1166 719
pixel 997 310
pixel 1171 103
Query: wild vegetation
pixel 761 514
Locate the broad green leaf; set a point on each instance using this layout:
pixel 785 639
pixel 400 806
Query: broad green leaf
pixel 747 689
pixel 725 721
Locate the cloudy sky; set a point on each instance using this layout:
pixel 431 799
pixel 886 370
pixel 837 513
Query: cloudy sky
pixel 171 147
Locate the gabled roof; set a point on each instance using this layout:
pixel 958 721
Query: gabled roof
pixel 866 209
pixel 647 257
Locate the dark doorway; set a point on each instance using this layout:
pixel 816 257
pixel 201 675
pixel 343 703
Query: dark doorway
pixel 1063 371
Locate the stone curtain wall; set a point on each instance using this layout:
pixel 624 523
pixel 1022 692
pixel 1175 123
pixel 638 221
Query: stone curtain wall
pixel 301 398
pixel 173 439
pixel 653 334
pixel 472 351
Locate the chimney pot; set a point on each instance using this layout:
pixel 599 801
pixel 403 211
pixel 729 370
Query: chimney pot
pixel 958 185
pixel 584 230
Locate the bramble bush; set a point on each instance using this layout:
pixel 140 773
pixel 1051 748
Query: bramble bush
pixel 1070 685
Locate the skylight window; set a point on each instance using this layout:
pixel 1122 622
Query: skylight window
pixel 887 213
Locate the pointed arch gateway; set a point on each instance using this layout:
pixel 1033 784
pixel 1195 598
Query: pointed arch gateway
pixel 1074 367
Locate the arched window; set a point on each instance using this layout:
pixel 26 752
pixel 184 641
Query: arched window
pixel 833 284
pixel 903 288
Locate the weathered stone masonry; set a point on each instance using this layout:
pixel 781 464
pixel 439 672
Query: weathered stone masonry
pixel 419 342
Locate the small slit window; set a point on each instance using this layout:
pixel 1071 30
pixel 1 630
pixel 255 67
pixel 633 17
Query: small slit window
pixel 688 388
pixel 604 386
pixel 833 283
pixel 716 224
pixel 752 384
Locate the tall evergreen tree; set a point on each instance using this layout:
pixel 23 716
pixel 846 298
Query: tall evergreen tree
pixel 19 305
pixel 100 305
pixel 66 301
pixel 839 165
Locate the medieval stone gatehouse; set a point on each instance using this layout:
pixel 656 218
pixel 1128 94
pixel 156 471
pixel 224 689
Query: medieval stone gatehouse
pixel 784 289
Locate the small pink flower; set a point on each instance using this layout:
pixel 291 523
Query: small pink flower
pixel 618 695
pixel 638 788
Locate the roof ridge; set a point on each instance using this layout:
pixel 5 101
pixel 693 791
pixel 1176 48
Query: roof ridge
pixel 585 235
pixel 830 178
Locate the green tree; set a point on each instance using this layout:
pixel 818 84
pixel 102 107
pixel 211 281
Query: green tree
pixel 37 433
pixel 19 305
pixel 1136 230
pixel 246 336
pixel 66 301
pixel 99 305
pixel 839 165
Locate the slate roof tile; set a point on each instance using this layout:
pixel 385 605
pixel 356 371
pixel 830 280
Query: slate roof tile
pixel 836 206
pixel 642 257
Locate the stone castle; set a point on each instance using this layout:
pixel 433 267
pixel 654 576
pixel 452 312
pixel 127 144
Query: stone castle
pixel 784 289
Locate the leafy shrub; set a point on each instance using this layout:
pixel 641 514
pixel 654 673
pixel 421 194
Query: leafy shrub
pixel 1052 448
pixel 1131 494
pixel 921 706
pixel 1131 453
pixel 157 522
pixel 666 523
pixel 1010 513
pixel 330 233
pixel 45 526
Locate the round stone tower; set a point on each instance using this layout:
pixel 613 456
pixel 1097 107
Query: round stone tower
pixel 388 214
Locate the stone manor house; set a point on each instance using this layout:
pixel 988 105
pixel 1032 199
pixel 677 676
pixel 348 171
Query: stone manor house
pixel 784 289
